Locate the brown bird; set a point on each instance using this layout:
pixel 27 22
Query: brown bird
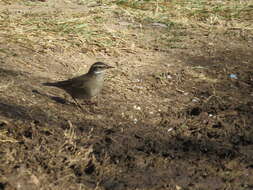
pixel 85 86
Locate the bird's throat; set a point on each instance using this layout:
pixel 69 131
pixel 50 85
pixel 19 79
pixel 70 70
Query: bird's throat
pixel 98 72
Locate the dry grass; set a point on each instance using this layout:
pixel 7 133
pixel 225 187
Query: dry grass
pixel 91 31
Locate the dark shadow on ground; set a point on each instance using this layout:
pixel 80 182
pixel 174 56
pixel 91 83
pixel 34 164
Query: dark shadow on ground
pixel 134 157
pixel 148 157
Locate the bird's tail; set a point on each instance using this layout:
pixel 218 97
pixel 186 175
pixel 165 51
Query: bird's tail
pixel 50 84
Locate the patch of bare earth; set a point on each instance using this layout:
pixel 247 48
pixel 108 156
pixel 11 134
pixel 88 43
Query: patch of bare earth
pixel 175 113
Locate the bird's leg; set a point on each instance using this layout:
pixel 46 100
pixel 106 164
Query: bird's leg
pixel 78 105
pixel 98 99
pixel 89 102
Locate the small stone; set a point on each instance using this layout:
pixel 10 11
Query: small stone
pixel 170 129
pixel 233 76
pixel 195 100
pixel 157 24
pixel 137 107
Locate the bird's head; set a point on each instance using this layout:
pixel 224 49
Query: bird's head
pixel 99 68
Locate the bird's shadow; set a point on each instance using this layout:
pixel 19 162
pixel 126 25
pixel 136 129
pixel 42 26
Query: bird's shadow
pixel 54 98
pixel 60 100
pixel 88 104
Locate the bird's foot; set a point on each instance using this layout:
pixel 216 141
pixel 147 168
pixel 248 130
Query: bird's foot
pixel 88 102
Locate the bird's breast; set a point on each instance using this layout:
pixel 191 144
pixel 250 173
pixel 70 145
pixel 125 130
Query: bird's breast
pixel 96 87
pixel 92 87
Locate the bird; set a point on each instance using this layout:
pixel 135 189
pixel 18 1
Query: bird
pixel 85 86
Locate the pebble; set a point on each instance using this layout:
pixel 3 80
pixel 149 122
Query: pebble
pixel 137 107
pixel 233 76
pixel 170 129
pixel 195 100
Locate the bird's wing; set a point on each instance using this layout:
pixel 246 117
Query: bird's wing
pixel 77 82
pixel 69 83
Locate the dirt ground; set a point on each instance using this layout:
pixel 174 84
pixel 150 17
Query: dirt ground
pixel 176 113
